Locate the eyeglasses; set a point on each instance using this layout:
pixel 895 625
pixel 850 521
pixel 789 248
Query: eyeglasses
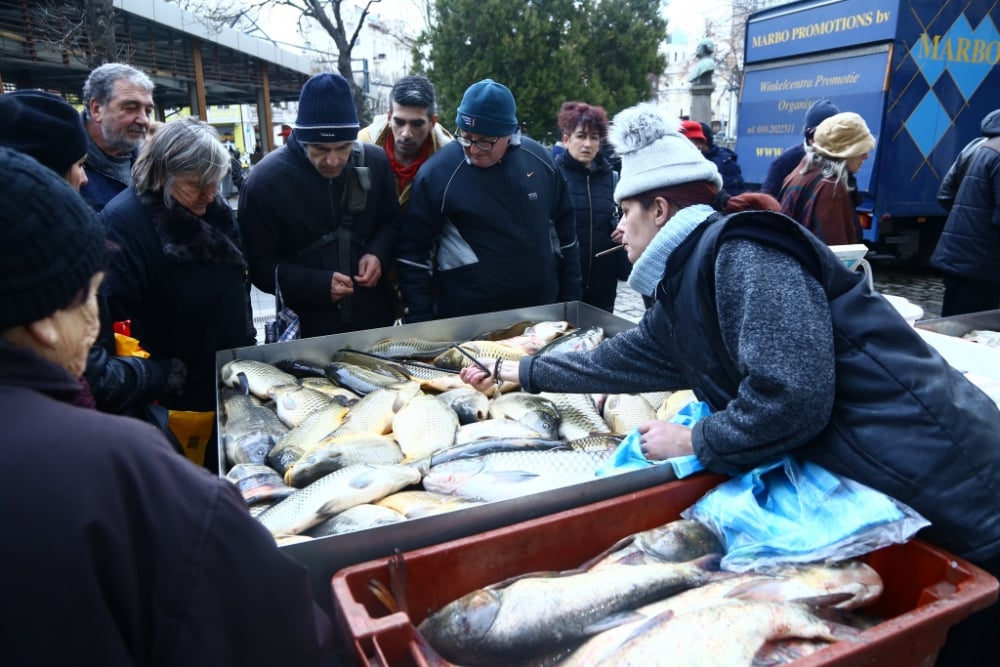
pixel 481 144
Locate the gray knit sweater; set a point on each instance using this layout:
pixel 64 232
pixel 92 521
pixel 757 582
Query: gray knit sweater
pixel 776 325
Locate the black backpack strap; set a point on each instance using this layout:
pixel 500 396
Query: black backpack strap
pixel 354 200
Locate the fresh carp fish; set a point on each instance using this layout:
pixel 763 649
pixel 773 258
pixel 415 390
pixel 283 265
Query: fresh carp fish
pixel 512 474
pixel 848 586
pixel 470 405
pixel 580 417
pixel 334 493
pixel 624 412
pixel 737 631
pixel 294 402
pixel 423 426
pixel 533 614
pixel 306 436
pixel 415 504
pixel 677 541
pixel 336 452
pixel 258 483
pixel 578 340
pixel 250 431
pixel 257 376
pixel 536 412
pixel 353 519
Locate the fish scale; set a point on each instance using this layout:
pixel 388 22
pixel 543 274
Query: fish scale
pixel 624 412
pixel 512 474
pixel 580 418
pixel 294 403
pixel 531 614
pixel 260 376
pixel 334 493
pixel 423 426
pixel 729 634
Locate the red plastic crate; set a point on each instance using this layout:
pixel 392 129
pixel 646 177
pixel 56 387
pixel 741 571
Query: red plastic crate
pixel 926 591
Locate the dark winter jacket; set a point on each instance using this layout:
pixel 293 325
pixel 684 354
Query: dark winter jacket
pixel 505 236
pixel 729 169
pixel 286 207
pixel 106 175
pixel 780 168
pixel 990 127
pixel 969 246
pixel 119 552
pixel 823 369
pixel 182 282
pixel 593 193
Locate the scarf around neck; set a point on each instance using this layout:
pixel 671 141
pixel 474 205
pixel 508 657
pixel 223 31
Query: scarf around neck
pixel 213 238
pixel 648 269
pixel 405 172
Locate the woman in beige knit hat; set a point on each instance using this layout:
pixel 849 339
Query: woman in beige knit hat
pixel 817 193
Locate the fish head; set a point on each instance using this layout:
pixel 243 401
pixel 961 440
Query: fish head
pixel 449 477
pixel 459 625
pixel 678 541
pixel 544 419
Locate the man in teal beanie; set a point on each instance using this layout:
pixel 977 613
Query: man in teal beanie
pixel 490 225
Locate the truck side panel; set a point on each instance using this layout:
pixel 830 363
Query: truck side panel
pixel 941 80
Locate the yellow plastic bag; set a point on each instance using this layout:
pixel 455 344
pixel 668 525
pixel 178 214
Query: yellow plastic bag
pixel 193 431
pixel 126 346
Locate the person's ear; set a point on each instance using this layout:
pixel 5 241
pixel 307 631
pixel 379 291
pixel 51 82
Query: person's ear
pixel 94 107
pixel 434 119
pixel 662 211
pixel 44 332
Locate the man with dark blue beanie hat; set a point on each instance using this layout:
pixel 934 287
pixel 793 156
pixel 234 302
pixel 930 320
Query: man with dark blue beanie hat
pixel 320 216
pixel 490 225
pixel 152 559
pixel 783 165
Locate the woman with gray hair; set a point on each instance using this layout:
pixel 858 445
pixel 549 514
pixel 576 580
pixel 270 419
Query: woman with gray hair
pixel 181 275
pixel 818 192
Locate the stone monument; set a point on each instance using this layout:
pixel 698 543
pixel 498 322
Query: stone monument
pixel 700 79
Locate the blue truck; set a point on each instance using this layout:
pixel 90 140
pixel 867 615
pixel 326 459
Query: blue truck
pixel 922 73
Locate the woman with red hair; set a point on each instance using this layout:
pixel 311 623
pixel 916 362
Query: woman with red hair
pixel 591 182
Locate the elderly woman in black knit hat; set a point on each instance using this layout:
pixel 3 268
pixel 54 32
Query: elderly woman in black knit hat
pixel 48 129
pixel 181 275
pixel 793 353
pixel 137 556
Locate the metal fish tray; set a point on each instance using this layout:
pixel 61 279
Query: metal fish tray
pixel 325 556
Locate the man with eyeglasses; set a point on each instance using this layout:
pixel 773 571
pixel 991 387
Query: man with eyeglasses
pixel 490 224
pixel 319 217
pixel 409 132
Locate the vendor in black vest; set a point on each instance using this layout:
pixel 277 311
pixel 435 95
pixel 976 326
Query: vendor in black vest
pixel 792 352
pixel 320 216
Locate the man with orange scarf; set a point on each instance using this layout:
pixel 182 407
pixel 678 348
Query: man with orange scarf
pixel 409 133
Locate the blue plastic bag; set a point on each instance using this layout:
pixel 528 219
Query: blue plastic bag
pixel 791 512
pixel 628 455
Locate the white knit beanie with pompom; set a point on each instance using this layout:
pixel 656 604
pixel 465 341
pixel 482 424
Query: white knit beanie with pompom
pixel 655 154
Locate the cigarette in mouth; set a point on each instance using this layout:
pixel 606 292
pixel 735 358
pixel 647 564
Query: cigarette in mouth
pixel 609 250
